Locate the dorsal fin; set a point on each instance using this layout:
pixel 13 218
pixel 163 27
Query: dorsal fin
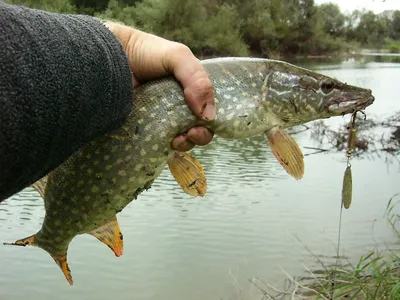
pixel 40 186
pixel 60 258
pixel 287 152
pixel 110 234
pixel 188 173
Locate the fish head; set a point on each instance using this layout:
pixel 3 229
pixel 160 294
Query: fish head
pixel 296 95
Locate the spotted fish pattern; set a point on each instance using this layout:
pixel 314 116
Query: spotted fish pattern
pixel 252 96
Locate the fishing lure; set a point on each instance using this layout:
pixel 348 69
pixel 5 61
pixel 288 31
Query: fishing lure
pixel 347 189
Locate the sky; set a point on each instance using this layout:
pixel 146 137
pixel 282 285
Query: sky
pixel 377 6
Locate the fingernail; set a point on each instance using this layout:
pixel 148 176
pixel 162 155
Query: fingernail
pixel 200 134
pixel 180 145
pixel 209 112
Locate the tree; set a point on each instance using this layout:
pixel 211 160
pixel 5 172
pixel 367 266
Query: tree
pixel 332 19
pixel 394 26
pixel 301 19
pixel 90 6
pixel 268 28
pixel 206 32
pixel 371 30
pixel 61 6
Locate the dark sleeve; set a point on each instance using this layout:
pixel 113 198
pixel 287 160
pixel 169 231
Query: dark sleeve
pixel 64 79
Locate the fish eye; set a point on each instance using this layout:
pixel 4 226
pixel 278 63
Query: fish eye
pixel 327 86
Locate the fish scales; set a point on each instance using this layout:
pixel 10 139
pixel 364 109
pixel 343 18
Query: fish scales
pixel 253 96
pixel 127 164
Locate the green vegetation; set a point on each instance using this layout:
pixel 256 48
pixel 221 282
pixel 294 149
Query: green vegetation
pixel 269 28
pixel 61 6
pixel 392 45
pixel 375 276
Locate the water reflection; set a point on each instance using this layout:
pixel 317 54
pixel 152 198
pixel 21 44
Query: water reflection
pixel 377 138
pixel 251 161
pixel 24 204
pixel 352 63
pixel 251 165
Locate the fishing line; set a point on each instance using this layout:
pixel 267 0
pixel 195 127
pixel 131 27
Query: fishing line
pixel 337 251
pixel 347 190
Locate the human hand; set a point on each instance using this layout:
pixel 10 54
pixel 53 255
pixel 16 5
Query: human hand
pixel 151 57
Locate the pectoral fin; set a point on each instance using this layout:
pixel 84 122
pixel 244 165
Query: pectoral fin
pixel 188 173
pixel 60 257
pixel 110 234
pixel 287 152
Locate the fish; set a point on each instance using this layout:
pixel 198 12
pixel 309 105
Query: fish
pixel 253 96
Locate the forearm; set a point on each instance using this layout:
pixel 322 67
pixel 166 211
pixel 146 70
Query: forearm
pixel 64 80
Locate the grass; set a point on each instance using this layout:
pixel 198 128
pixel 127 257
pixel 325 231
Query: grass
pixel 392 45
pixel 375 276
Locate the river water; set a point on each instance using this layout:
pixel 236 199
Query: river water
pixel 254 222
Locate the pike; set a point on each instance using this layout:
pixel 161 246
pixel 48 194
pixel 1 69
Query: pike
pixel 253 96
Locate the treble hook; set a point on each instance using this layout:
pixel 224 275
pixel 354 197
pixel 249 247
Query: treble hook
pixel 351 143
pixel 354 117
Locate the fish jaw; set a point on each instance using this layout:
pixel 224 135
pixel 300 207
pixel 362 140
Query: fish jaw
pixel 347 104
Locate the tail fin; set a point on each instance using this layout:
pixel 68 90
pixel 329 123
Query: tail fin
pixel 59 258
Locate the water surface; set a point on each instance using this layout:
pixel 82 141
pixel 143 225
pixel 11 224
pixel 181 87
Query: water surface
pixel 255 221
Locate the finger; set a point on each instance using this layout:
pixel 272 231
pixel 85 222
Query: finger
pixel 197 86
pixel 175 58
pixel 200 136
pixel 135 82
pixel 122 32
pixel 182 143
pixel 168 57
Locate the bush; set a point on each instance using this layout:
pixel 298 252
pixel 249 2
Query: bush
pixel 270 28
pixel 392 45
pixel 118 13
pixel 223 32
pixel 188 23
pixel 60 6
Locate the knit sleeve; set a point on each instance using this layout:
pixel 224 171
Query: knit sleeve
pixel 64 79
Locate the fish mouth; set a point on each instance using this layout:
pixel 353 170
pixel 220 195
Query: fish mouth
pixel 345 105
